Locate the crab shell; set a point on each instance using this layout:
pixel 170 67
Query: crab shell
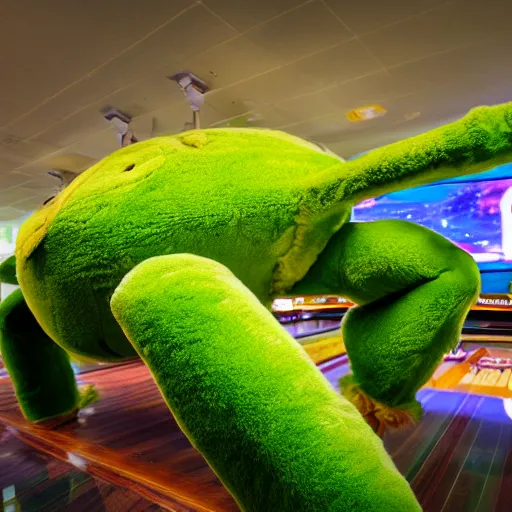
pixel 256 201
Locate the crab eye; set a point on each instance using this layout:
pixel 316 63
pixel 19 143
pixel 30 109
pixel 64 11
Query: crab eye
pixel 129 168
pixel 48 200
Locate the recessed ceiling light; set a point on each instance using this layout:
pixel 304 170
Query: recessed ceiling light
pixel 366 113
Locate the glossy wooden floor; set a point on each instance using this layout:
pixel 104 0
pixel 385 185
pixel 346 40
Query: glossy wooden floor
pixel 33 481
pixel 458 458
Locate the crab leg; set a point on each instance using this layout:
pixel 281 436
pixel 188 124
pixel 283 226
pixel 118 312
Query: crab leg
pixel 247 396
pixel 413 290
pixel 478 142
pixel 40 370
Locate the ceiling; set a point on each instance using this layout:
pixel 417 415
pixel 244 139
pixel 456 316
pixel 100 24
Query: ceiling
pixel 290 64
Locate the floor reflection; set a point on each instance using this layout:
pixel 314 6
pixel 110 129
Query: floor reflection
pixel 31 481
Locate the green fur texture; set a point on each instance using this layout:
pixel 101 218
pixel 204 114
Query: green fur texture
pixel 248 397
pixel 229 195
pixel 8 271
pixel 40 370
pixel 478 142
pixel 263 203
pixel 88 396
pixel 413 288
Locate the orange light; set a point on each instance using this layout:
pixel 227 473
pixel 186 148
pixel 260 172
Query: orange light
pixel 365 113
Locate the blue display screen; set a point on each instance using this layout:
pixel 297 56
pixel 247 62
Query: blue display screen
pixel 474 212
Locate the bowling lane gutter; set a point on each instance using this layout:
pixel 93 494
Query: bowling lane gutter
pixel 332 364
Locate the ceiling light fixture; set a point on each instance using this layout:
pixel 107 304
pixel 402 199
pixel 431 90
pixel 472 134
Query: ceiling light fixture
pixel 194 90
pixel 121 124
pixel 365 113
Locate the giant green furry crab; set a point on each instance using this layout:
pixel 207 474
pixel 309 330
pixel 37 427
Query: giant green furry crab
pixel 172 249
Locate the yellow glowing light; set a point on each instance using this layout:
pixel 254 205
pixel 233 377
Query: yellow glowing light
pixel 365 113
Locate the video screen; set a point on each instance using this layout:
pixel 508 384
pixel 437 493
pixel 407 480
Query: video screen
pixel 475 215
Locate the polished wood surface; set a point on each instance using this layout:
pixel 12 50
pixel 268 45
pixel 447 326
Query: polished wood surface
pixel 458 458
pixel 32 481
pixel 129 438
pixel 452 375
pixel 325 348
pixel 449 375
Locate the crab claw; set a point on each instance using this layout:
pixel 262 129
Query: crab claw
pixel 379 416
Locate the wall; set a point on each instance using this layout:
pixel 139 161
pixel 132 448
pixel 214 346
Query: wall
pixel 8 235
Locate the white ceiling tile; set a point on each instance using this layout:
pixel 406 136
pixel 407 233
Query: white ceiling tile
pixel 242 15
pixel 318 129
pixel 305 30
pixel 173 119
pixel 453 24
pixel 249 119
pixel 233 101
pixel 8 162
pixel 446 102
pixel 33 203
pixel 74 162
pixel 31 169
pixel 95 145
pixel 19 152
pixel 161 51
pixel 9 214
pixel 145 96
pixel 309 107
pixel 416 113
pixel 270 116
pixel 12 179
pixel 13 195
pixel 276 85
pixel 364 16
pixel 370 89
pixel 71 129
pixel 373 134
pixel 57 41
pixel 345 61
pixel 235 60
pixel 43 181
pixel 349 148
pixel 192 33
pixel 142 96
pixel 483 62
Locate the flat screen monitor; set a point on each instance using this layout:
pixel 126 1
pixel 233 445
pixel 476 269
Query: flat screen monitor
pixel 474 212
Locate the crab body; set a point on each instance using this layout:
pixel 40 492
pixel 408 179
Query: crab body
pixel 168 248
pixel 163 197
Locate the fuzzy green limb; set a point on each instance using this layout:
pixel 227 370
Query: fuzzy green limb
pixel 8 271
pixel 378 415
pixel 413 288
pixel 40 370
pixel 248 397
pixel 478 142
pixel 88 396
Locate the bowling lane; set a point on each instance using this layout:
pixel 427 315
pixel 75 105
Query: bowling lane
pixel 311 327
pixel 459 456
pixel 335 369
